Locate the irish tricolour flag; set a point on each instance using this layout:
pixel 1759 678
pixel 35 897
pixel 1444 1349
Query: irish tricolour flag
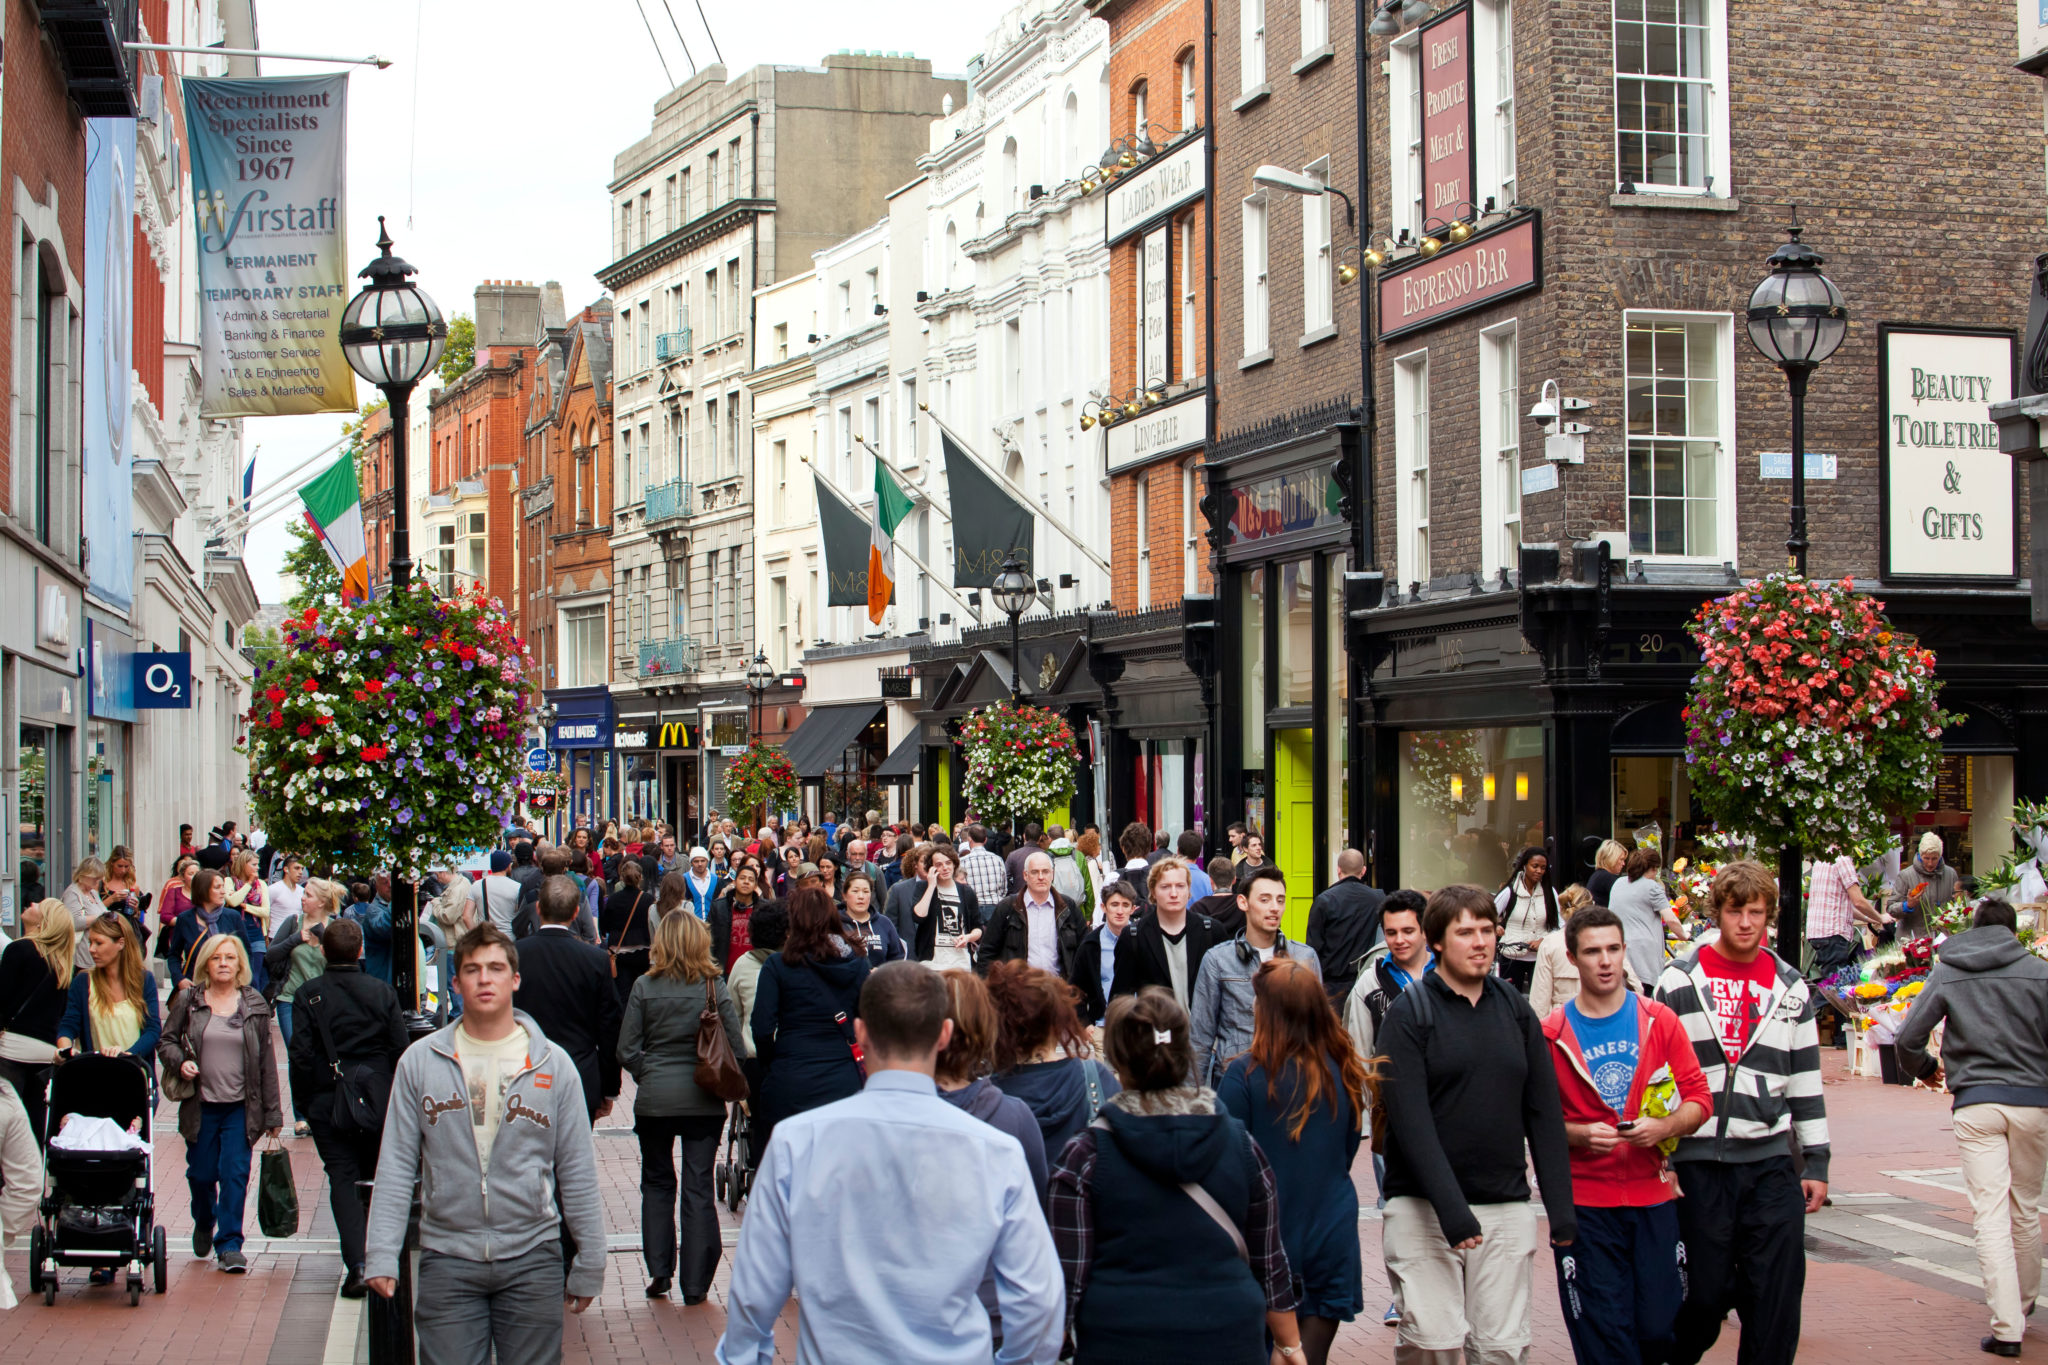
pixel 334 509
pixel 892 505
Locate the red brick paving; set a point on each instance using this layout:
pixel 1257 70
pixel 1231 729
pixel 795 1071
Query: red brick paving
pixel 1853 1312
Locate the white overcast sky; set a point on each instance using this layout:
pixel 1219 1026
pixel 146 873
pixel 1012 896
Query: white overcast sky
pixel 499 171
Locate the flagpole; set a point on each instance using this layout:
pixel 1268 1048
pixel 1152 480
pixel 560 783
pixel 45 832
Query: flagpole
pixel 905 550
pixel 1023 498
pixel 918 494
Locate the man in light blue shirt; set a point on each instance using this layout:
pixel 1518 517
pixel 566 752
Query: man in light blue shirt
pixel 884 1211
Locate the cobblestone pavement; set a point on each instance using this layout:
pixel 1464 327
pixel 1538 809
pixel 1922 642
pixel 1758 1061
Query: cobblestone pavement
pixel 1891 1273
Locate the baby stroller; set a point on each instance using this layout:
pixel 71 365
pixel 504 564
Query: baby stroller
pixel 99 1208
pixel 732 1177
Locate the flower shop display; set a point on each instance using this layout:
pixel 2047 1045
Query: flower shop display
pixel 763 774
pixel 391 733
pixel 1811 720
pixel 1020 761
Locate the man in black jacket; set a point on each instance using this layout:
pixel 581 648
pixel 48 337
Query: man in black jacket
pixel 1221 904
pixel 357 1015
pixel 566 985
pixel 1165 946
pixel 1037 925
pixel 526 918
pixel 1465 1053
pixel 1342 924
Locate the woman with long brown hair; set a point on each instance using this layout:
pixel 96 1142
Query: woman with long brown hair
pixel 804 1007
pixel 1042 1055
pixel 658 1046
pixel 1301 1093
pixel 112 1006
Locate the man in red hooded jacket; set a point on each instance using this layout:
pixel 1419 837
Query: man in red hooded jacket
pixel 1623 1278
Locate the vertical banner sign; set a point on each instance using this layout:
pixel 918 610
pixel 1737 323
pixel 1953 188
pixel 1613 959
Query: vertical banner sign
pixel 109 330
pixel 269 170
pixel 1951 499
pixel 1152 369
pixel 1448 148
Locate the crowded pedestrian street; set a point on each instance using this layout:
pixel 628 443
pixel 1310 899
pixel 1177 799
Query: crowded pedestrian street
pixel 1891 1273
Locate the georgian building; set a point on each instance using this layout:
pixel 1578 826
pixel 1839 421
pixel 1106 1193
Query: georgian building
pixel 738 182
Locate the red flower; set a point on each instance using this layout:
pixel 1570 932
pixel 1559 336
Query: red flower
pixel 275 694
pixel 304 729
pixel 374 686
pixel 276 719
pixel 323 720
pixel 311 685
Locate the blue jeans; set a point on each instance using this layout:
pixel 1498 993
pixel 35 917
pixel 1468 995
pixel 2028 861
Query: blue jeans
pixel 283 1009
pixel 217 1169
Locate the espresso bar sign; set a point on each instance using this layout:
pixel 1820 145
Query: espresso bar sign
pixel 1487 268
pixel 1950 497
pixel 1448 145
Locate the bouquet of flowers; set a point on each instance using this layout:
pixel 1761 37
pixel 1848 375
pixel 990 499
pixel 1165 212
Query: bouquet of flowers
pixel 1694 883
pixel 1811 720
pixel 763 774
pixel 1020 761
pixel 391 733
pixel 1446 768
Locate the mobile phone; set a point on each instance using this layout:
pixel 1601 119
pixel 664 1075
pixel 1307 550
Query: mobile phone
pixel 1624 1125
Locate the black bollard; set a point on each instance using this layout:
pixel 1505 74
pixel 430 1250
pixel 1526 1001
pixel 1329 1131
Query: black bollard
pixel 391 1333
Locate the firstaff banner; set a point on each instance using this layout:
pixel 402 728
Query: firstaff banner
pixel 269 170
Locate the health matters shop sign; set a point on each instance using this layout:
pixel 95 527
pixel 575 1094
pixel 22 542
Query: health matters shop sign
pixel 1951 499
pixel 1448 154
pixel 1485 269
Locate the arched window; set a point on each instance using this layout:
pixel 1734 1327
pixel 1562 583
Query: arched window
pixel 1070 134
pixel 1190 95
pixel 949 267
pixel 1012 192
pixel 1141 112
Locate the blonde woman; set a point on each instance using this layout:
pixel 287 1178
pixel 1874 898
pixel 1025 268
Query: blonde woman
pixel 245 891
pixel 111 1008
pixel 218 1038
pixel 658 1046
pixel 35 984
pixel 1608 861
pixel 82 899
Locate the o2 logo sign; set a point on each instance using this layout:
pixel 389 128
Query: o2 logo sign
pixel 163 681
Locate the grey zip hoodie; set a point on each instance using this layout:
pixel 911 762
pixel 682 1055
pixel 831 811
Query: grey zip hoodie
pixel 543 1146
pixel 1994 995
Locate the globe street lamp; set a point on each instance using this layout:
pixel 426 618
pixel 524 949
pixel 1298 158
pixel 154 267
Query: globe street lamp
pixel 1014 593
pixel 1797 320
pixel 393 335
pixel 759 675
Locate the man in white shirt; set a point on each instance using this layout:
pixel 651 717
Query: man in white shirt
pixel 882 1278
pixel 1037 925
pixel 283 896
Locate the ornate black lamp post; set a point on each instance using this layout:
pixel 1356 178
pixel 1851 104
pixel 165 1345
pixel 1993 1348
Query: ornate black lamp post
pixel 393 335
pixel 1796 318
pixel 1014 592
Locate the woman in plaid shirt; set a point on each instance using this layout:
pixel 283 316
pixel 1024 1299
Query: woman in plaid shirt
pixel 1165 1213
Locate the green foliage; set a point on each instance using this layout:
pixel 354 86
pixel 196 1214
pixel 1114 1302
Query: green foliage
pixel 262 644
pixel 391 733
pixel 761 774
pixel 352 431
pixel 1020 761
pixel 460 356
pixel 309 563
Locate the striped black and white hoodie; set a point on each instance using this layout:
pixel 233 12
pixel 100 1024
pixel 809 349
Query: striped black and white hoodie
pixel 1772 1091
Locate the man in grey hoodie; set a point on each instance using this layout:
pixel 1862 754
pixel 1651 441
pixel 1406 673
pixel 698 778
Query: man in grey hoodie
pixel 497 1191
pixel 1993 994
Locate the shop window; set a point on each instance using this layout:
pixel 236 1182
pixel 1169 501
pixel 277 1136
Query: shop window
pixel 1297 634
pixel 1468 801
pixel 1252 663
pixel 1653 792
pixel 1337 815
pixel 1670 115
pixel 1679 484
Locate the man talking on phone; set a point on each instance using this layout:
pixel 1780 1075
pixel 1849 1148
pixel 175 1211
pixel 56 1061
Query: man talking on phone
pixel 1629 1084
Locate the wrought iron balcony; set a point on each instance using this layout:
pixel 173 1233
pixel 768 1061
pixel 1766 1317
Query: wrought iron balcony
pixel 671 501
pixel 672 345
pixel 683 654
pixel 87 36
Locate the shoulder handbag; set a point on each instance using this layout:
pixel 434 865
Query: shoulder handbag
pixel 1206 1202
pixel 613 950
pixel 1094 1082
pixel 362 1089
pixel 718 1071
pixel 173 1083
pixel 860 1060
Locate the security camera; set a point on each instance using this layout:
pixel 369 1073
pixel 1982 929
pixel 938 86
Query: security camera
pixel 1544 414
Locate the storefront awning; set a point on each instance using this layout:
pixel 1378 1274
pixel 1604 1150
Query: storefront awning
pixel 819 743
pixel 901 764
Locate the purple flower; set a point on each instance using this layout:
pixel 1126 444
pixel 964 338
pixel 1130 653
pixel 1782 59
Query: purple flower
pixel 412 715
pixel 462 808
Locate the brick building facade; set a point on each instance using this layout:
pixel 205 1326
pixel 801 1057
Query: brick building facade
pixel 1564 194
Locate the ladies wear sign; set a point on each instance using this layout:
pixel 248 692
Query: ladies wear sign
pixel 1950 496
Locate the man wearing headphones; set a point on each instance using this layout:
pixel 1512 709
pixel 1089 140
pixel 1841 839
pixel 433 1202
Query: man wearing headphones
pixel 1221 1013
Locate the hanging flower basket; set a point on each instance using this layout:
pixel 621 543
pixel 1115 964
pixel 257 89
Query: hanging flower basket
pixel 391 733
pixel 1020 761
pixel 1811 719
pixel 762 774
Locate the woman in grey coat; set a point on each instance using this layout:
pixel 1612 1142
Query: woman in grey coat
pixel 658 1046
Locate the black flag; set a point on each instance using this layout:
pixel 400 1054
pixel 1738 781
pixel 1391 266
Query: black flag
pixel 846 534
pixel 989 524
